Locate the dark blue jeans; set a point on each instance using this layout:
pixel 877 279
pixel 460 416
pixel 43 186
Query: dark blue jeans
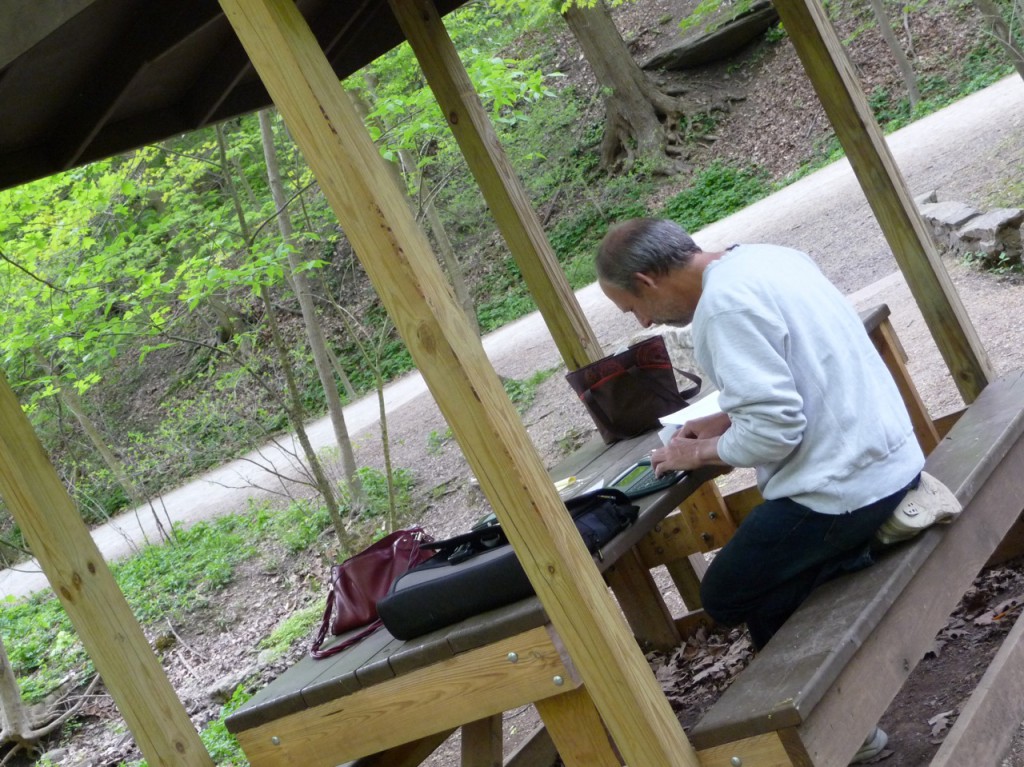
pixel 780 553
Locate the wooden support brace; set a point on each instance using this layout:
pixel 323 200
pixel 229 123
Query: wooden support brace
pixel 481 742
pixel 839 90
pixel 641 603
pixel 406 755
pixel 703 523
pixel 405 273
pixel 374 719
pixel 774 749
pixel 576 728
pixel 894 357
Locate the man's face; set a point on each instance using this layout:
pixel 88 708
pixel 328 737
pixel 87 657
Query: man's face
pixel 655 300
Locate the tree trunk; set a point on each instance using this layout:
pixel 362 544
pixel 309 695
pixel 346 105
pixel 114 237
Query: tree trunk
pixel 17 726
pixel 73 402
pixel 641 121
pixel 1001 31
pixel 314 332
pixel 905 67
pixel 293 402
pixel 295 415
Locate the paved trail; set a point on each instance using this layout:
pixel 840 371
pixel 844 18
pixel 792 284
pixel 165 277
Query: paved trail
pixel 960 152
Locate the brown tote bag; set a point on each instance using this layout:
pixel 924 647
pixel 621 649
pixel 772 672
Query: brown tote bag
pixel 626 393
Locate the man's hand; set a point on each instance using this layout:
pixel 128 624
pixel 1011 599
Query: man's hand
pixel 705 427
pixel 694 445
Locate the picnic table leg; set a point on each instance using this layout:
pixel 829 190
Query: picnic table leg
pixel 481 742
pixel 686 575
pixel 576 728
pixel 641 603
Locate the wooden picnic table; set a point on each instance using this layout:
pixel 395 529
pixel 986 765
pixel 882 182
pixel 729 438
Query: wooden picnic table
pixel 385 693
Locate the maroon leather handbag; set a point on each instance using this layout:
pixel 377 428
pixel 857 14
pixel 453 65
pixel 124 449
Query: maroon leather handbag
pixel 627 393
pixel 361 580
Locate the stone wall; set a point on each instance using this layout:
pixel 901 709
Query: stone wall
pixel 992 236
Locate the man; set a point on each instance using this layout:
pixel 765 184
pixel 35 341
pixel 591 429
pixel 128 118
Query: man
pixel 805 399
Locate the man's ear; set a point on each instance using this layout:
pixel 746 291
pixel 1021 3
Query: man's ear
pixel 644 279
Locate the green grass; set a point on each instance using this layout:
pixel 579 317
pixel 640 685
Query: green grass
pixel 715 193
pixel 522 392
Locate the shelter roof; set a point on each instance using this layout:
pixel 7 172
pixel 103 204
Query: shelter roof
pixel 81 80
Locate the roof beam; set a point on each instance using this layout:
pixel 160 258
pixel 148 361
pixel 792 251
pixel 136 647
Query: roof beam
pixel 23 23
pixel 505 195
pixel 92 109
pixel 89 594
pixel 847 108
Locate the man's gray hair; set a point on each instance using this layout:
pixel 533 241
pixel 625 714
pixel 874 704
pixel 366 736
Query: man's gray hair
pixel 648 245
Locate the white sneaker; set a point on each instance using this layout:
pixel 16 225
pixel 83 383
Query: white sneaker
pixel 873 746
pixel 930 503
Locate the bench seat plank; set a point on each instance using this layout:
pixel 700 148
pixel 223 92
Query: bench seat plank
pixel 801 664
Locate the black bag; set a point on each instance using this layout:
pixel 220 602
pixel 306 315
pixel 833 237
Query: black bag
pixel 626 393
pixel 478 571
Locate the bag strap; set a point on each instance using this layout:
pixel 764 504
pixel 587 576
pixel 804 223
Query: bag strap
pixel 694 379
pixel 325 626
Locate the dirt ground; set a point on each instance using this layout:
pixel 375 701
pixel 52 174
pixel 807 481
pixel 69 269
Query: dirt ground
pixel 219 648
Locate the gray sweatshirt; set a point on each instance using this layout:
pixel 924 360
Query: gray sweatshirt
pixel 813 407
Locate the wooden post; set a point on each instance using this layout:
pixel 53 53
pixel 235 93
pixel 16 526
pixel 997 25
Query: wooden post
pixel 408 279
pixel 512 210
pixel 85 586
pixel 840 93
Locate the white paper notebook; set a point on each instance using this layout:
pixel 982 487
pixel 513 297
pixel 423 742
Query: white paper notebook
pixel 706 405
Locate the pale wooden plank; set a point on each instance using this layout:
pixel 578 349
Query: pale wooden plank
pixel 406 755
pixel 891 351
pixel 576 728
pixel 642 604
pixel 409 281
pixel 89 594
pixel 439 697
pixel 481 742
pixel 507 199
pixel 687 574
pixel 992 715
pixel 836 84
pixel 773 749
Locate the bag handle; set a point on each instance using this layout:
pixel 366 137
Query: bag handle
pixel 321 635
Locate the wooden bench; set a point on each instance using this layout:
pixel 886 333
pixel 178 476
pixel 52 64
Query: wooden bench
pixel 828 675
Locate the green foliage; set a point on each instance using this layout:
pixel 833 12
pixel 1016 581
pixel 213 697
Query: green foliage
pixel 522 392
pixel 715 193
pixel 298 526
pixel 41 645
pixel 291 630
pixel 177 578
pixel 436 440
pixel 222 745
pixel 375 484
pixel 999 263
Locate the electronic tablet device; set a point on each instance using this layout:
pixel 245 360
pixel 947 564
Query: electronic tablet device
pixel 639 479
